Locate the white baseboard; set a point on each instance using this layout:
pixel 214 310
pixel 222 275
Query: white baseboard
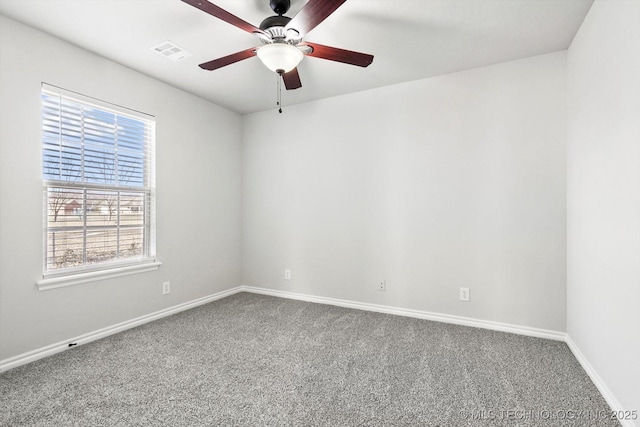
pixel 49 350
pixel 465 321
pixel 438 317
pixel 600 384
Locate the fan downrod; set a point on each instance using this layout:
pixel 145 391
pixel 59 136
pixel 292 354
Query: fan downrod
pixel 280 6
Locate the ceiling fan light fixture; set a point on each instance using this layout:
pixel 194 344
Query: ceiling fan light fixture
pixel 280 57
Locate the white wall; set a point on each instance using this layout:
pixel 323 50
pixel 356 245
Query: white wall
pixel 432 185
pixel 603 194
pixel 198 194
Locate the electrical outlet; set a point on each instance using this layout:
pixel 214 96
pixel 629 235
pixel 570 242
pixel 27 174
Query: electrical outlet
pixel 382 285
pixel 464 294
pixel 287 275
pixel 166 288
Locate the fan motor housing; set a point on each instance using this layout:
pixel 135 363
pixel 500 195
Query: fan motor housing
pixel 275 27
pixel 274 21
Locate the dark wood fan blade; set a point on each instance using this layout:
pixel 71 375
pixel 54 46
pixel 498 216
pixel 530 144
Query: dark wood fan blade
pixel 220 13
pixel 292 79
pixel 229 59
pixel 340 55
pixel 313 13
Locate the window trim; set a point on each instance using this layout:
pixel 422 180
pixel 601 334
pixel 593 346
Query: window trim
pixel 56 278
pixel 48 283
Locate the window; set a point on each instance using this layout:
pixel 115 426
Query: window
pixel 99 184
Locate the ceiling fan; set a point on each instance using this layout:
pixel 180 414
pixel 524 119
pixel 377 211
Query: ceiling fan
pixel 281 37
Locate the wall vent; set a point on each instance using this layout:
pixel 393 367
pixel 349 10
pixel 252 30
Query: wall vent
pixel 171 51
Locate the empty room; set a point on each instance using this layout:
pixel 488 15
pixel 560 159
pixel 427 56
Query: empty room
pixel 320 212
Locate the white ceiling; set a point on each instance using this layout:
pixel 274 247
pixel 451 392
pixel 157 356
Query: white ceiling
pixel 410 39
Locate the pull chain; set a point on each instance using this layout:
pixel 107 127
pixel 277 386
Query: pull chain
pixel 279 94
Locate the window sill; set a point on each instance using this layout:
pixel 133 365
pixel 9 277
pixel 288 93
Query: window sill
pixel 93 276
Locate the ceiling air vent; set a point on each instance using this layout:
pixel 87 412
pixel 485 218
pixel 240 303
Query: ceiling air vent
pixel 171 51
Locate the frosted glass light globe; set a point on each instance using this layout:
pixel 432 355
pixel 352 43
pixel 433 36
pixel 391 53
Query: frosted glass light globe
pixel 280 57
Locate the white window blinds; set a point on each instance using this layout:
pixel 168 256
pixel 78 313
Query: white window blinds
pixel 99 183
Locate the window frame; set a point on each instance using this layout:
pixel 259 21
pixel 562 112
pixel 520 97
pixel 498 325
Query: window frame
pixel 87 272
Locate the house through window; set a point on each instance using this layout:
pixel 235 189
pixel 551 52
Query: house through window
pixel 99 183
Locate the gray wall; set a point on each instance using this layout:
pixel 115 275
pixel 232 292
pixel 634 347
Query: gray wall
pixel 198 194
pixel 432 185
pixel 603 195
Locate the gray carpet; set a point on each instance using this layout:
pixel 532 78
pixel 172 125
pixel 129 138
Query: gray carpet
pixel 255 360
